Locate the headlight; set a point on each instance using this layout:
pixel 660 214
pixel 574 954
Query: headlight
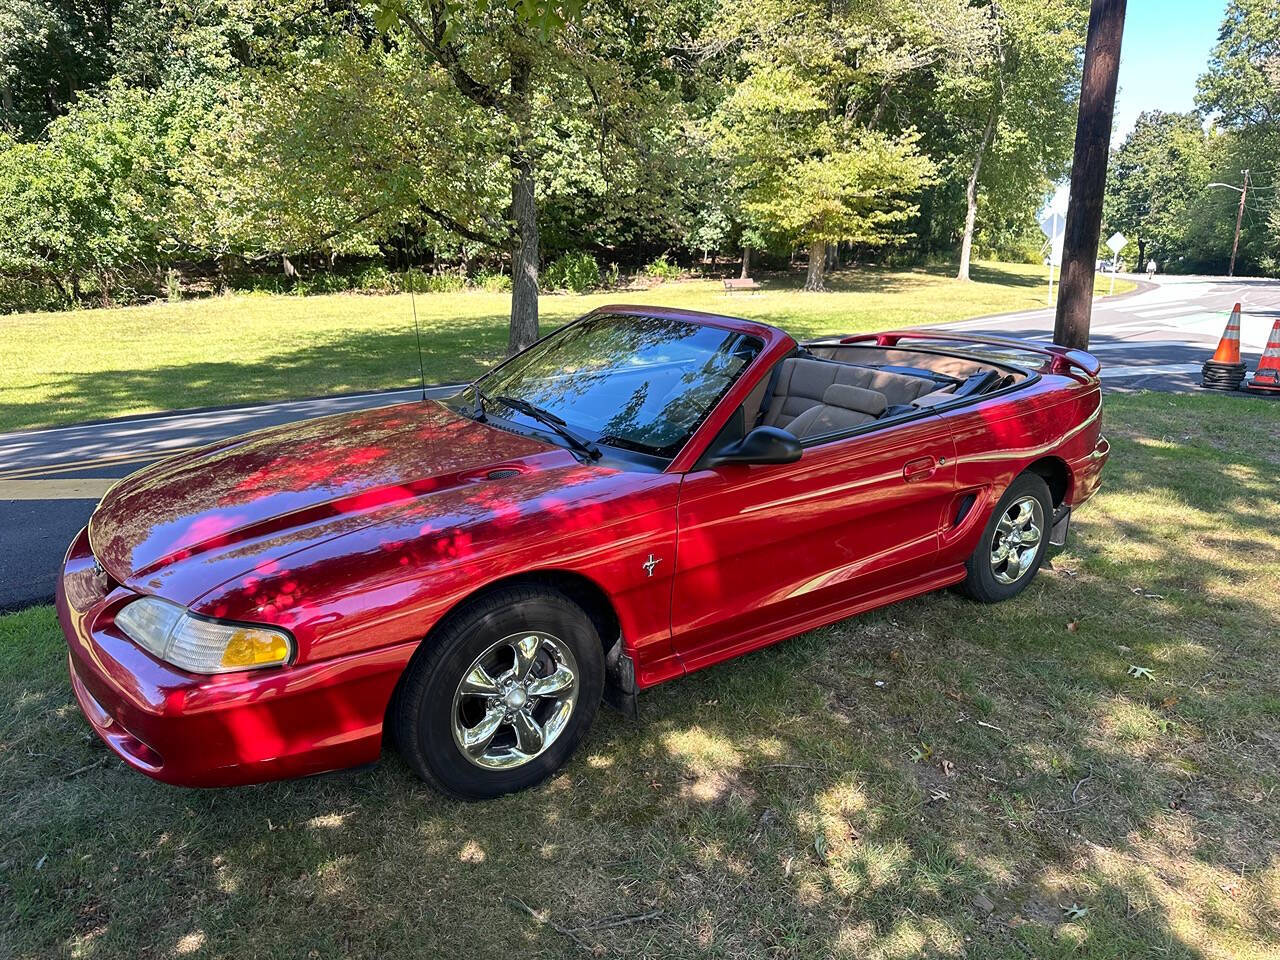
pixel 201 646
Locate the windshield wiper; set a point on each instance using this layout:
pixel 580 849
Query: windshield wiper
pixel 549 419
pixel 477 412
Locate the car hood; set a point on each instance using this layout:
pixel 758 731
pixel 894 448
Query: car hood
pixel 245 502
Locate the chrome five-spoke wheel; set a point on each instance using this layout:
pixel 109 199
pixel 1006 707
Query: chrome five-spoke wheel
pixel 515 700
pixel 1017 540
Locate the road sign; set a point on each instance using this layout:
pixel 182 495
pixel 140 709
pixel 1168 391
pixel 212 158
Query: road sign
pixel 1052 224
pixel 1117 242
pixel 1055 249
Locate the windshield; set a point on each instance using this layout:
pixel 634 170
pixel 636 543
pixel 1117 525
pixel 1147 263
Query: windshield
pixel 641 383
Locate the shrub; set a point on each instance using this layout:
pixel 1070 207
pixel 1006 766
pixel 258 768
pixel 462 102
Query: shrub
pixel 413 280
pixel 612 276
pixel 578 272
pixel 494 281
pixel 663 269
pixel 419 281
pixel 446 283
pixel 20 295
pixel 259 283
pixel 375 278
pixel 328 282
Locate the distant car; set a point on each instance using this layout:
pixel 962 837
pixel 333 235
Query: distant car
pixel 641 494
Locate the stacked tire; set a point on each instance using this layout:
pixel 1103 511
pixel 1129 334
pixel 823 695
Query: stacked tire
pixel 1222 376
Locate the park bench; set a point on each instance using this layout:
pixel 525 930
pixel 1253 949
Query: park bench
pixel 744 284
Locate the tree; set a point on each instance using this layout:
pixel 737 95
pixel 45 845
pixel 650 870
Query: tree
pixel 49 52
pixel 805 170
pixel 531 71
pixel 1241 93
pixel 1008 105
pixel 1241 88
pixel 87 202
pixel 855 190
pixel 1156 177
pixel 489 53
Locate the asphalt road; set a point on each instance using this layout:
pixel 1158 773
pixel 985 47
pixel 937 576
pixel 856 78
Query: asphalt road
pixel 1158 337
pixel 50 480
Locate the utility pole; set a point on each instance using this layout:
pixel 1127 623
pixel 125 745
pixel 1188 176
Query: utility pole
pixel 1244 192
pixel 1089 173
pixel 1235 244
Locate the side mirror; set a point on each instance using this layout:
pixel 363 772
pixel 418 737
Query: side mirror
pixel 761 445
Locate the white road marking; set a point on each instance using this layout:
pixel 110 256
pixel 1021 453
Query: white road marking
pixel 1111 347
pixel 87 488
pixel 1175 310
pixel 1152 370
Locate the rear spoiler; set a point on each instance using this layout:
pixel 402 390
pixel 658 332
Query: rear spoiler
pixel 1060 360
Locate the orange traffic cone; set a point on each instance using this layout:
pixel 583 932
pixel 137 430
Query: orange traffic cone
pixel 1224 371
pixel 1266 379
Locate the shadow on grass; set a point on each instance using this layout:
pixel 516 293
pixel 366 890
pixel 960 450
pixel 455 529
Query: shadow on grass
pixel 938 778
pixel 362 360
pixel 454 347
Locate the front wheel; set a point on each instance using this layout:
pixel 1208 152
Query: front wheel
pixel 1013 543
pixel 502 695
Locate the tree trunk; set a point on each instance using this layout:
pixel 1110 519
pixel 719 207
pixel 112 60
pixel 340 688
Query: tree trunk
pixel 746 263
pixel 971 198
pixel 1142 254
pixel 524 211
pixel 817 266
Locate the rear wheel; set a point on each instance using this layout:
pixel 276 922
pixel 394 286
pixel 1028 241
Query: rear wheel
pixel 502 695
pixel 1013 543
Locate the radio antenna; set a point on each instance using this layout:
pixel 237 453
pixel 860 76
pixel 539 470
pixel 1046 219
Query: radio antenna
pixel 417 333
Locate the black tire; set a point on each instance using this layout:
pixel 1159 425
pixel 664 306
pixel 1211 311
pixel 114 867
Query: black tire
pixel 984 582
pixel 423 714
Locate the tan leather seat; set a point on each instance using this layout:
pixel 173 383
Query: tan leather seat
pixel 842 407
pixel 802 384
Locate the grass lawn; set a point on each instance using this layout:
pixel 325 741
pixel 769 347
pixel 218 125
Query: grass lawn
pixel 938 778
pixel 67 367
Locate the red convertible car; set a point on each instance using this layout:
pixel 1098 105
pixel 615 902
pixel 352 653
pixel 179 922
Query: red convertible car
pixel 642 493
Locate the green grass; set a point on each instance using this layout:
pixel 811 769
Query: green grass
pixel 67 367
pixel 771 806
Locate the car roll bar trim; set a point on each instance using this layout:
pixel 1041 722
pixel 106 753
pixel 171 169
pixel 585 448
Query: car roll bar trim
pixel 1060 359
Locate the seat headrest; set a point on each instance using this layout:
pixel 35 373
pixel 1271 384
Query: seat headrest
pixel 870 402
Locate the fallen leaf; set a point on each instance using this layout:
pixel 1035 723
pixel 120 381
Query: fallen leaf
pixel 948 768
pixel 820 846
pixel 939 796
pixel 921 752
pixel 1141 673
pixel 1073 626
pixel 1075 912
pixel 1169 702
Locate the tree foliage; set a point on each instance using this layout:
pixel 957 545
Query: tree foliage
pixel 291 137
pixel 1162 190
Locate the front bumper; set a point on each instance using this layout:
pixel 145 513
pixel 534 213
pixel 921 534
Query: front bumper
pixel 215 731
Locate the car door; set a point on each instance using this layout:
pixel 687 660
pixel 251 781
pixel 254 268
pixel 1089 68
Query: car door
pixel 766 551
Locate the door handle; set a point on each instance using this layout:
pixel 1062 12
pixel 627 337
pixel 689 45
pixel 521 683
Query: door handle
pixel 921 468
